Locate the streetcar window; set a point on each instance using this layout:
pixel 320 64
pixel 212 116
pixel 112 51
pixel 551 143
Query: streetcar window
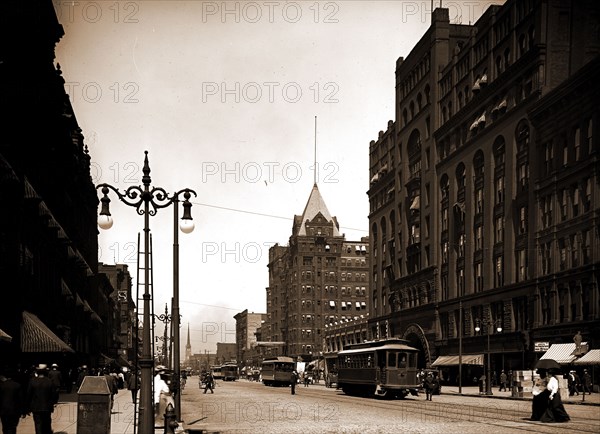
pixel 391 360
pixel 402 361
pixel 413 360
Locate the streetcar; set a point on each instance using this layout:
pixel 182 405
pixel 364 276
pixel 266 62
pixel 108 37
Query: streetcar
pixel 383 368
pixel 230 371
pixel 277 371
pixel 216 372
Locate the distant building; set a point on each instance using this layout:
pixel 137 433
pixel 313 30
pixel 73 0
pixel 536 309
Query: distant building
pixel 226 352
pixel 124 312
pixel 318 279
pixel 246 327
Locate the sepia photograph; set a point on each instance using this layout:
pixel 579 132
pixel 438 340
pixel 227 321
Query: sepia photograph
pixel 317 213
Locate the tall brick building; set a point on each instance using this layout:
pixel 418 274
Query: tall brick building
pixel 484 190
pixel 319 278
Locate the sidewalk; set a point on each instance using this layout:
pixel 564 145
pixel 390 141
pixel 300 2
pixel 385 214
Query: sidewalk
pixel 593 399
pixel 64 418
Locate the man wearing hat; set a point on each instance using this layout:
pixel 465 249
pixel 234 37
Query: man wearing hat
pixel 41 398
pixel 56 377
pixel 11 402
pixel 587 382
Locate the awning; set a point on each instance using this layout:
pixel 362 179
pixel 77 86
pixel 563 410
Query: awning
pixel 467 359
pixel 123 362
pixel 562 353
pixel 5 336
pixel 591 358
pixel 36 337
pixel 416 203
pixel 331 303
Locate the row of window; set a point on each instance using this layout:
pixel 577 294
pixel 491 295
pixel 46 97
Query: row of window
pixel 332 289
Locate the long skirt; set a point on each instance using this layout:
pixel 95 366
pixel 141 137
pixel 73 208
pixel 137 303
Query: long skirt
pixel 556 411
pixel 539 405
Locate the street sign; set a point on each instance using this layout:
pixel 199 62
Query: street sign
pixel 541 347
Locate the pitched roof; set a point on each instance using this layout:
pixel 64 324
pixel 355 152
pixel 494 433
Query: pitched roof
pixel 314 206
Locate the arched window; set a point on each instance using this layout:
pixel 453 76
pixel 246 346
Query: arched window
pixel 522 136
pixel 531 37
pixel 404 117
pixel 414 144
pixel 419 102
pixel 414 152
pixel 427 95
pixel 478 163
pixel 383 226
pixel 444 187
pixel 499 150
pixel 411 108
pixel 460 176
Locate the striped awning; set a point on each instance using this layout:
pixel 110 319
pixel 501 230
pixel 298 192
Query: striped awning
pixel 562 353
pixel 467 359
pixel 591 358
pixel 36 337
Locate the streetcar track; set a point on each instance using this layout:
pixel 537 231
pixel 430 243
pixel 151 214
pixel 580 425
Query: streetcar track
pixel 518 419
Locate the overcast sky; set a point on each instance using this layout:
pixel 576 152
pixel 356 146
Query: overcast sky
pixel 223 96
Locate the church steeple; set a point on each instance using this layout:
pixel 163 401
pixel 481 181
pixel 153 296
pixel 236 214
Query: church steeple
pixel 188 346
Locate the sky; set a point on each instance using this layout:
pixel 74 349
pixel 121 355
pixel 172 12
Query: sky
pixel 229 100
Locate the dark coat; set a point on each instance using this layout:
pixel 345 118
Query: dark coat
pixel 56 377
pixel 11 398
pixel 41 394
pixel 133 382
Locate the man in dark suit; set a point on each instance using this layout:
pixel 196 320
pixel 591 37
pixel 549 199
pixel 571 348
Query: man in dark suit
pixel 55 376
pixel 41 398
pixel 11 403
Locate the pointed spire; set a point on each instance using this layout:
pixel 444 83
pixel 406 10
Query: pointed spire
pixel 188 345
pixel 314 206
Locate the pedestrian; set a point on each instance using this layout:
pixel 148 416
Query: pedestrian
pixel 208 381
pixel 293 381
pixel 555 410
pixel 572 384
pixel 11 403
pixel 111 382
pixel 540 395
pixel 503 379
pixel 41 399
pixel 56 377
pixel 430 386
pixel 587 382
pixel 510 380
pixel 162 396
pixel 120 380
pixel 306 377
pixel 482 384
pixel 83 372
pixel 577 382
pixel 133 384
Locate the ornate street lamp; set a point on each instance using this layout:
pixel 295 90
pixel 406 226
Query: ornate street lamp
pixel 165 318
pixel 489 325
pixel 147 201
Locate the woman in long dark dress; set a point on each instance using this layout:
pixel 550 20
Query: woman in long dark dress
pixel 540 395
pixel 556 410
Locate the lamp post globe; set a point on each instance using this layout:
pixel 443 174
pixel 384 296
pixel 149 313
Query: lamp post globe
pixel 186 226
pixel 105 222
